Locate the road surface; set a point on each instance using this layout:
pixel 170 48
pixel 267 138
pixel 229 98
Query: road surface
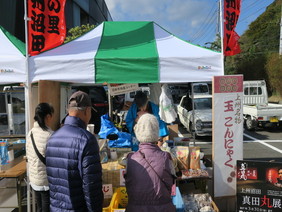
pixel 262 144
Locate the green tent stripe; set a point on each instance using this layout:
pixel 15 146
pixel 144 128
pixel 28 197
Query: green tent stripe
pixel 127 53
pixel 17 43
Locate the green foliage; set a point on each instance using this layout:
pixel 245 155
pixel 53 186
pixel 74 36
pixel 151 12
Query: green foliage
pixel 274 71
pixel 261 39
pixel 77 31
pixel 216 45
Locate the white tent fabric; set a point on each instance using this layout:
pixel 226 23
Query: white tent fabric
pixel 71 62
pixel 178 58
pixel 12 60
pixel 74 62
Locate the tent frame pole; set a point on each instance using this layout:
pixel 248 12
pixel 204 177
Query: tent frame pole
pixel 27 105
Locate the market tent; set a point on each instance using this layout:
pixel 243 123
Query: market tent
pixel 12 59
pixel 127 52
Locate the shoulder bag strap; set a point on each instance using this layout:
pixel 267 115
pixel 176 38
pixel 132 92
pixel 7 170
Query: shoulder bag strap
pixel 41 158
pixel 162 180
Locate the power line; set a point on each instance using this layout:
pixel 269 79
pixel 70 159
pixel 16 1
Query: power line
pixel 251 15
pixel 210 15
pixel 208 31
pixel 206 27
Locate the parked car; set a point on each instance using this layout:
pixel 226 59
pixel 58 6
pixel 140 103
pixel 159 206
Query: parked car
pixel 257 111
pixel 202 113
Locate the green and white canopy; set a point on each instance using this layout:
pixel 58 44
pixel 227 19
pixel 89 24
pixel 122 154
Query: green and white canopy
pixel 12 59
pixel 127 52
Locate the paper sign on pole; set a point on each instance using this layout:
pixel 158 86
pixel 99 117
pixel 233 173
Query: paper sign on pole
pixel 107 190
pixel 123 88
pixel 121 177
pixel 227 132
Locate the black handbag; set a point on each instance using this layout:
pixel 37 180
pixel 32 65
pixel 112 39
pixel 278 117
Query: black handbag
pixel 41 158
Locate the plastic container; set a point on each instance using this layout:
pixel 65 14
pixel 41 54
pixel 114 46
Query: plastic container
pixel 119 201
pixel 178 201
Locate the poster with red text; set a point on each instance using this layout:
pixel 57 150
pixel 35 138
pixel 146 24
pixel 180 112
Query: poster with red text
pixel 259 186
pixel 46 25
pixel 227 132
pixel 231 16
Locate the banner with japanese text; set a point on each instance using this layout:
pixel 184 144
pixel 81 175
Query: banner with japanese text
pixel 227 132
pixel 259 186
pixel 46 25
pixel 230 38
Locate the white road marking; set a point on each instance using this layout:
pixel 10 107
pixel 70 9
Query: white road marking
pixel 266 141
pixel 263 143
pixel 253 140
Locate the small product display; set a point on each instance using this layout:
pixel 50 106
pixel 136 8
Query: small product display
pixel 182 155
pixel 195 158
pixel 198 203
pixel 189 161
pixel 194 173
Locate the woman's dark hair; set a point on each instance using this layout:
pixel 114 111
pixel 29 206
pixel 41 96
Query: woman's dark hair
pixel 140 98
pixel 41 111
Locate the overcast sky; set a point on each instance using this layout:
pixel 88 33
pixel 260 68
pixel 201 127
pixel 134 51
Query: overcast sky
pixel 192 20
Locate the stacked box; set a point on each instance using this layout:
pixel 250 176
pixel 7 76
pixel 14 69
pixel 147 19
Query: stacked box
pixel 111 173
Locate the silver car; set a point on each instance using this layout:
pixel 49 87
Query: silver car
pixel 202 112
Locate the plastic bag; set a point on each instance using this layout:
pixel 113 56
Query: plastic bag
pixel 195 158
pixel 182 155
pixel 167 112
pixel 107 127
pixel 4 152
pixel 123 141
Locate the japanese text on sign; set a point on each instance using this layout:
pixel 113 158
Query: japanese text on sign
pixel 231 16
pixel 46 26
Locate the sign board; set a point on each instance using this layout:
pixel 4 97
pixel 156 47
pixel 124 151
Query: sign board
pixel 122 89
pixel 107 190
pixel 227 132
pixel 259 186
pixel 121 175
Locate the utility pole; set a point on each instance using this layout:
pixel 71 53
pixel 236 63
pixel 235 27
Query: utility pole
pixel 280 46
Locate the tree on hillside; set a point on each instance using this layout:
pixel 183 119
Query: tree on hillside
pixel 274 70
pixel 216 45
pixel 78 31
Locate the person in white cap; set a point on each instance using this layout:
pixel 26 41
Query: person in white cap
pixel 149 171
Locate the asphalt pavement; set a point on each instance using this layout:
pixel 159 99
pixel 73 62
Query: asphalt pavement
pixel 261 144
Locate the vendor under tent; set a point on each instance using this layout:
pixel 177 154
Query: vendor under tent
pixel 12 59
pixel 127 52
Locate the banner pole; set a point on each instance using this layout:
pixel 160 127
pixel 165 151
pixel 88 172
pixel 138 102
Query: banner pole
pixel 27 98
pixel 221 32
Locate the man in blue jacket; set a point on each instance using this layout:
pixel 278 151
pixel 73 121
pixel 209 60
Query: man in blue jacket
pixel 73 163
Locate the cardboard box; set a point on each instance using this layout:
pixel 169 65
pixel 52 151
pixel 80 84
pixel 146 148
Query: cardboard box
pixel 111 173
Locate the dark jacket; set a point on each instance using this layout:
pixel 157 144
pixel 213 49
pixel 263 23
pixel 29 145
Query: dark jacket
pixel 73 168
pixel 146 192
